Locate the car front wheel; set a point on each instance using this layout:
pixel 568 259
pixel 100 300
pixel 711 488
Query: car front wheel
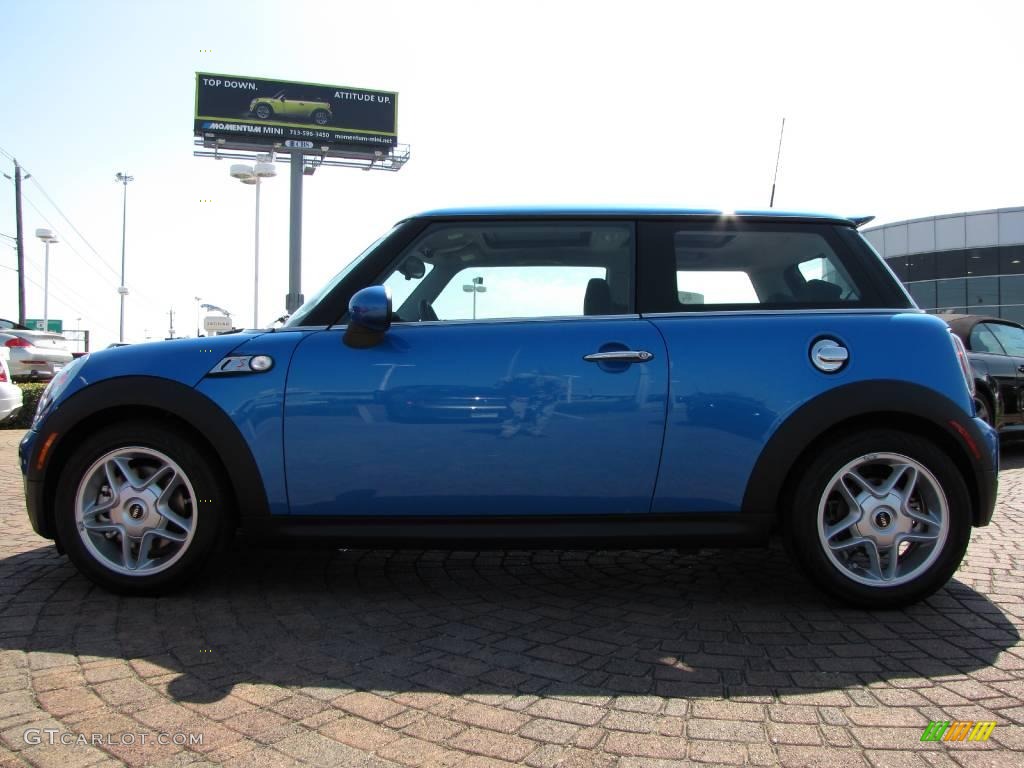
pixel 263 111
pixel 139 507
pixel 880 519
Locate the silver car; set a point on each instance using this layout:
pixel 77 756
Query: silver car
pixel 33 354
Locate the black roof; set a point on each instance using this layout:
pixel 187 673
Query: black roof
pixel 962 325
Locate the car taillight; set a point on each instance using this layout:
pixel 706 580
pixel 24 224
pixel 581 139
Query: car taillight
pixel 3 375
pixel 965 364
pixel 16 342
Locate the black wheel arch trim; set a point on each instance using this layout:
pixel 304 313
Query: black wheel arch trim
pixel 872 401
pixel 135 393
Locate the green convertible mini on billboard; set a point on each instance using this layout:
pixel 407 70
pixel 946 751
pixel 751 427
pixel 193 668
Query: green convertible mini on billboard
pixel 253 110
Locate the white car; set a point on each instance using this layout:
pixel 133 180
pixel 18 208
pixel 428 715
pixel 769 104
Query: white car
pixel 10 395
pixel 35 355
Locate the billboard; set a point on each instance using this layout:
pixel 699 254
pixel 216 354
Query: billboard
pixel 252 110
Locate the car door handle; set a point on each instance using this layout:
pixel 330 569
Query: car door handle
pixel 619 356
pixel 1020 368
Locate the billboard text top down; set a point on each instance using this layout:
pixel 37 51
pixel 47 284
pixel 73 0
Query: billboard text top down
pixel 255 110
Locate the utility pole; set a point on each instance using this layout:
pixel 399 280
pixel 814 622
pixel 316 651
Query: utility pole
pixel 21 243
pixel 170 314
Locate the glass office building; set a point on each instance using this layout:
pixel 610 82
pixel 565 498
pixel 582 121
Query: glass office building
pixel 963 262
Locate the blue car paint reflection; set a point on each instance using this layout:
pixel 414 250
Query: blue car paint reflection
pixel 475 419
pixel 712 426
pixel 255 405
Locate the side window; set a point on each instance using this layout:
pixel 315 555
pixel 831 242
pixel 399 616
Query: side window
pixel 711 287
pixel 983 340
pixel 735 265
pixel 514 291
pixel 1010 337
pixel 505 270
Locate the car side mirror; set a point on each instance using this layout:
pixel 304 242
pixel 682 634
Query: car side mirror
pixel 369 313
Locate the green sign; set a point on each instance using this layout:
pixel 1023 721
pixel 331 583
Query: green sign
pixel 55 326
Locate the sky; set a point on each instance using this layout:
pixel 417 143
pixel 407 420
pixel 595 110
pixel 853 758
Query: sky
pixel 893 109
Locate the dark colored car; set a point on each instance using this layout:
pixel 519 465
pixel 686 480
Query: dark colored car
pixel 629 377
pixel 995 348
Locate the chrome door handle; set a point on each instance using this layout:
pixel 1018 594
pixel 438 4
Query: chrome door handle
pixel 619 356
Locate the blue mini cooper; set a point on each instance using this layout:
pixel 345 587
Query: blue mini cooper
pixel 542 378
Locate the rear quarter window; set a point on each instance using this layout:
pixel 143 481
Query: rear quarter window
pixel 728 264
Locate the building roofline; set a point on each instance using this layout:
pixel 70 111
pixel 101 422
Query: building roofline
pixel 900 222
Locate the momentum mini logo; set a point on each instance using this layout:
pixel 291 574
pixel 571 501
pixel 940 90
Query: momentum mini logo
pixel 958 730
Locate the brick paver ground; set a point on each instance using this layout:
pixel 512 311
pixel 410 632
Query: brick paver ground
pixel 627 659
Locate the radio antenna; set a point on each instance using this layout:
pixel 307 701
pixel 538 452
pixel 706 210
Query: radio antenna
pixel 771 202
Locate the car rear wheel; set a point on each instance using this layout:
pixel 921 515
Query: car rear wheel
pixel 263 111
pixel 880 519
pixel 983 409
pixel 139 507
pixel 320 117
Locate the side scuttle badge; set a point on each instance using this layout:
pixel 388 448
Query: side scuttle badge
pixel 235 364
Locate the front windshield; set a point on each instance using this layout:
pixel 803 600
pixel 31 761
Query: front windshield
pixel 302 312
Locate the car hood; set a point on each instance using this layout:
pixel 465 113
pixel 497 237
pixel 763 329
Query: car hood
pixel 182 360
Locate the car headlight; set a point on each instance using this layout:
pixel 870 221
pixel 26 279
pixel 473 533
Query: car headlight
pixel 57 385
pixel 252 105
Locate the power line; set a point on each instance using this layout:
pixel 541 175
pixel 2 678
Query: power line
pixel 81 312
pixel 73 227
pixel 57 281
pixel 78 253
pixel 32 177
pixel 85 261
pixel 78 232
pixel 64 239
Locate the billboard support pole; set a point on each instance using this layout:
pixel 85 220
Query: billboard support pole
pixel 294 298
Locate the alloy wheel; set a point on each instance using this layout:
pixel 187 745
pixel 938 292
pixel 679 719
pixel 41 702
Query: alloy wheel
pixel 883 519
pixel 136 511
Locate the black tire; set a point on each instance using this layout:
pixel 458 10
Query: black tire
pixel 266 109
pixel 212 522
pixel 801 518
pixel 321 117
pixel 984 409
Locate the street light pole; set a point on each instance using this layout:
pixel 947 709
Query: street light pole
pixel 123 179
pixel 46 289
pixel 47 237
pixel 475 287
pixel 254 175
